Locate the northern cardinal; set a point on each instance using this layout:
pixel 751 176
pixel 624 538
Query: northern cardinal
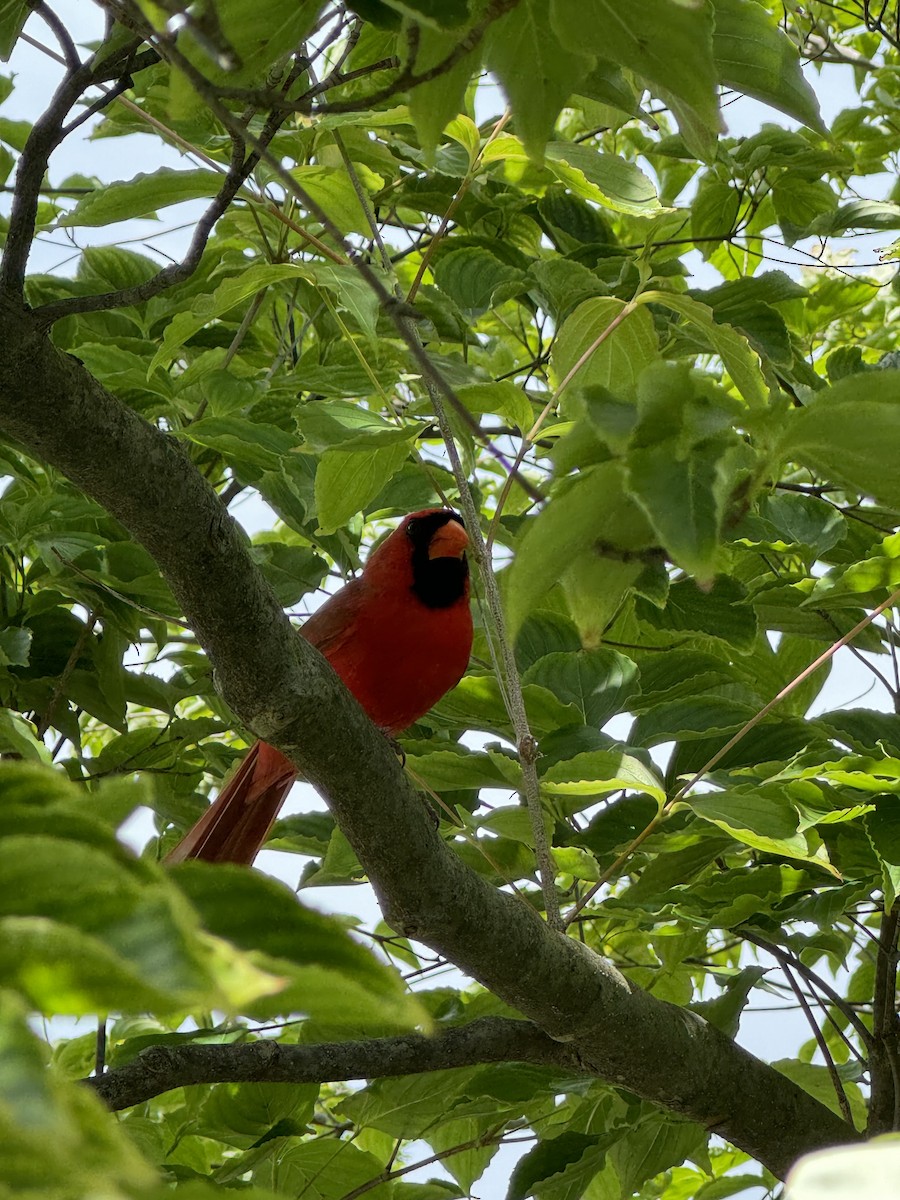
pixel 399 636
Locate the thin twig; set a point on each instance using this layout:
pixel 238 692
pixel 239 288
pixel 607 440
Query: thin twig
pixel 71 662
pixel 508 673
pixel 452 207
pixel 100 1053
pixel 785 958
pixel 843 1102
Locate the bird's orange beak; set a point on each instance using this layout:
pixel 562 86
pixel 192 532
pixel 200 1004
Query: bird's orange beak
pixel 450 541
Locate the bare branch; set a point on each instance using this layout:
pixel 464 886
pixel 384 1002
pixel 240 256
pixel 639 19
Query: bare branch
pixel 45 136
pixel 884 1059
pixel 175 273
pixel 784 957
pixel 69 50
pixel 488 1040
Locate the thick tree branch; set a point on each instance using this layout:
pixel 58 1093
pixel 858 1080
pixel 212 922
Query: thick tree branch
pixel 281 688
pixel 488 1040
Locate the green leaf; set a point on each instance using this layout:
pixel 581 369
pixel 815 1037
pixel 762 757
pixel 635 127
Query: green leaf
pixel 332 189
pixel 654 1145
pixel 433 105
pixel 406 1106
pixel 720 612
pixel 86 927
pixel 679 673
pixel 604 178
pixel 442 13
pixel 599 772
pixel 536 73
pixel 741 362
pixel 817 1080
pixel 453 769
pixel 351 293
pixel 599 682
pixel 471 277
pixel 851 433
pixel 550 1157
pixel 17 737
pixel 863 730
pixel 866 575
pixel 477 703
pixel 13 15
pixel 859 214
pixel 545 633
pixel 800 203
pixel 329 1168
pixel 754 56
pixel 291 570
pixel 883 832
pixel 761 818
pixel 668 44
pixel 785 521
pixel 246 40
pixel 141 196
pixel 348 427
pixel 687 719
pixel 560 285
pixel 326 973
pixel 15 645
pixel 250 442
pixel 618 361
pixel 608 85
pixel 682 463
pixel 248 1111
pixel 346 480
pixel 714 213
pixel 684 498
pixel 58 1139
pixel 580 864
pixel 593 516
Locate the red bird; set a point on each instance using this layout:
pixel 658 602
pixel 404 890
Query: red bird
pixel 399 636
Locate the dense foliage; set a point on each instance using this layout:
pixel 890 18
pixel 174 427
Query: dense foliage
pixel 669 380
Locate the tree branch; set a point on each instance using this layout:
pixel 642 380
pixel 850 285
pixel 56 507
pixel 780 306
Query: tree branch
pixel 59 31
pixel 281 688
pixel 884 1056
pixel 45 136
pixel 176 273
pixel 158 1069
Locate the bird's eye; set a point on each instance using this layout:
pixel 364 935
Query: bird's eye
pixel 411 528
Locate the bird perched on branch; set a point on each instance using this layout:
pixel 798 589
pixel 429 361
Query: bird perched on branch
pixel 399 636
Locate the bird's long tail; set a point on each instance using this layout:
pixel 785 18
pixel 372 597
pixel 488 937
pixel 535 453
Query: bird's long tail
pixel 237 823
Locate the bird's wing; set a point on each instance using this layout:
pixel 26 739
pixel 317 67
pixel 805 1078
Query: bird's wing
pixel 331 627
